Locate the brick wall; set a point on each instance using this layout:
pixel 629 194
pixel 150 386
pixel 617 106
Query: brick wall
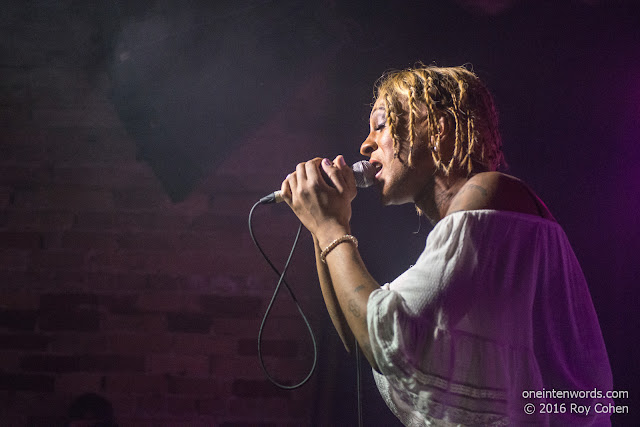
pixel 107 286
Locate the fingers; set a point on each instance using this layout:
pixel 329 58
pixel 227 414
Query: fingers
pixel 288 186
pixel 334 174
pixel 309 174
pixel 301 170
pixel 293 182
pixel 346 173
pixel 313 173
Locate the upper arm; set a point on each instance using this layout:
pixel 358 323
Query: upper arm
pixel 494 190
pixel 479 192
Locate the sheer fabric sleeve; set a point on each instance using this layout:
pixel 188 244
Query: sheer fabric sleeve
pixel 410 318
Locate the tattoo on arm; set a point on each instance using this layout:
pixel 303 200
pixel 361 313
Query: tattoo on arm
pixel 358 289
pixel 479 189
pixel 465 199
pixel 482 190
pixel 353 308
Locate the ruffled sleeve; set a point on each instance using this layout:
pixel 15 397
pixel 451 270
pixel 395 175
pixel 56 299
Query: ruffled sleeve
pixel 412 315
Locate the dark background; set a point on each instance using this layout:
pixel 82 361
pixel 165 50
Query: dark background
pixel 197 86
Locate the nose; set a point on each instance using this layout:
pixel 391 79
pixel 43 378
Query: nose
pixel 368 146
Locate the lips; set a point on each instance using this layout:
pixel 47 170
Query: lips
pixel 378 167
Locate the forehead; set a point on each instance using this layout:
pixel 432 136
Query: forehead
pixel 380 103
pixel 378 107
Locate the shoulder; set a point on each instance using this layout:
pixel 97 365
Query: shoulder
pixel 498 191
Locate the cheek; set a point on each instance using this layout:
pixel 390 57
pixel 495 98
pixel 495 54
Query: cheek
pixel 387 145
pixel 385 150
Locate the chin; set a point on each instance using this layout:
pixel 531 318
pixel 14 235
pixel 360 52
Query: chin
pixel 385 198
pixel 390 199
pixel 395 191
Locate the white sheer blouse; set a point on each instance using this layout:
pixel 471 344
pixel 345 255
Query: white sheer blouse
pixel 495 309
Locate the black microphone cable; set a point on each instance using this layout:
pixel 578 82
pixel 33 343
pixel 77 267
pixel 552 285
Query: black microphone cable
pixel 364 173
pixel 281 280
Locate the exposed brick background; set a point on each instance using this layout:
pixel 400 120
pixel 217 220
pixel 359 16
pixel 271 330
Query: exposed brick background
pixel 107 286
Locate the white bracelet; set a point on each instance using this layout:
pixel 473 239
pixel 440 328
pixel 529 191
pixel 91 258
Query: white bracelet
pixel 332 245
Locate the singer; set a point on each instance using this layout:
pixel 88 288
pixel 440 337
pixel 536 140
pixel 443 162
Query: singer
pixel 496 306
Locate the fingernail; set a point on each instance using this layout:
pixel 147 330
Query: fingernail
pixel 341 161
pixel 327 162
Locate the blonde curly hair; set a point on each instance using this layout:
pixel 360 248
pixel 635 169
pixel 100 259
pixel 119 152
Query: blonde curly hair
pixel 454 92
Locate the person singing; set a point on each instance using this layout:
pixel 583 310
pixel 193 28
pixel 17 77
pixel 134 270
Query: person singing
pixel 496 307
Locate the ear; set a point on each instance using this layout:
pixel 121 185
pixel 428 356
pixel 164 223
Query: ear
pixel 446 136
pixel 442 137
pixel 445 127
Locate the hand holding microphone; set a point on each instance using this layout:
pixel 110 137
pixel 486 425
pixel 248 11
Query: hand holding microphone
pixel 363 171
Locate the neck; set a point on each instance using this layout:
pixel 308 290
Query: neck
pixel 435 199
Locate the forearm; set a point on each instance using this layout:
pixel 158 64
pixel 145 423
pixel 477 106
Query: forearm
pixel 352 285
pixel 331 301
pixel 326 211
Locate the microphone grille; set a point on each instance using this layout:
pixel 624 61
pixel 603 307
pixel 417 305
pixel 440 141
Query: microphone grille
pixel 364 173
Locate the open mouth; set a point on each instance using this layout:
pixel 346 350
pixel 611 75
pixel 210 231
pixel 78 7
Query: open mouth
pixel 378 167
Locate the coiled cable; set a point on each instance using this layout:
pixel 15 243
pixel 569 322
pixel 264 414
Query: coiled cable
pixel 282 280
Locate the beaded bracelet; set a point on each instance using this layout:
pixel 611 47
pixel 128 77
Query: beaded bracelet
pixel 332 245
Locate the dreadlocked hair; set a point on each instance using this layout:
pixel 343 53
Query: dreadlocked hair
pixel 453 92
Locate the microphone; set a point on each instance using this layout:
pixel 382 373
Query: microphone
pixel 363 171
